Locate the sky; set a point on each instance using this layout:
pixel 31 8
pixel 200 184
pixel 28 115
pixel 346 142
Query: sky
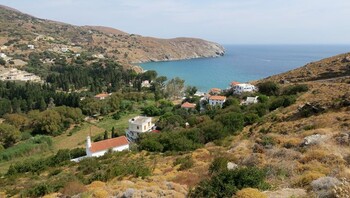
pixel 222 21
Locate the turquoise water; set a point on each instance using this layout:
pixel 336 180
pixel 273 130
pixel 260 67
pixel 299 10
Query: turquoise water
pixel 243 63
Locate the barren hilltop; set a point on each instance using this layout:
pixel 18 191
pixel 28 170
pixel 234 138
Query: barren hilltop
pixel 44 34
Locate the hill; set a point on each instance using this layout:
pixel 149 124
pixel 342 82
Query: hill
pixel 336 67
pixel 19 29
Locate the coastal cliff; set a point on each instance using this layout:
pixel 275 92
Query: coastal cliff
pixel 19 30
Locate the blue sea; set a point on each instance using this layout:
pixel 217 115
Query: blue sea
pixel 243 63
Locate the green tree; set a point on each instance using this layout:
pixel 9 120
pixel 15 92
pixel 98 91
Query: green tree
pixel 105 135
pixel 9 135
pixel 269 88
pixel 113 135
pixel 2 61
pixel 174 88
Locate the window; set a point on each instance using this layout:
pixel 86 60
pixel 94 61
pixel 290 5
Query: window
pixel 144 128
pixel 138 127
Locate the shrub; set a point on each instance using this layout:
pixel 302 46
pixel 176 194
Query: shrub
pixel 228 182
pixel 185 162
pixel 268 88
pixel 295 89
pixel 250 193
pixel 283 101
pixel 306 178
pixel 218 165
pixel 232 121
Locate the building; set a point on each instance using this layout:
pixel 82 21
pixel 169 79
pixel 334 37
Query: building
pixel 251 100
pixel 97 149
pixel 64 49
pixel 31 47
pixel 2 55
pixel 188 105
pixel 102 96
pixel 215 91
pixel 18 75
pixel 137 126
pixel 146 83
pixel 243 87
pixel 217 100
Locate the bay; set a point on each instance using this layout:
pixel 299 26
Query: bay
pixel 243 63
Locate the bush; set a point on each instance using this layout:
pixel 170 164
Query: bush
pixel 218 165
pixel 283 101
pixel 232 121
pixel 228 182
pixel 269 88
pixel 295 89
pixel 185 162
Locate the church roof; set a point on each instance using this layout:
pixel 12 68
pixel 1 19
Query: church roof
pixel 109 144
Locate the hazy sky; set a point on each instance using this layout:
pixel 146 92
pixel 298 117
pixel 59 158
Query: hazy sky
pixel 223 21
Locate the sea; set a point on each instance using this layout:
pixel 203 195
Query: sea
pixel 243 63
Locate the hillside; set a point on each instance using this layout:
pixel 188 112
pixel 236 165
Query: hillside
pixel 19 29
pixel 334 67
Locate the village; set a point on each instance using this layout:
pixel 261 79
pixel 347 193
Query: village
pixel 142 124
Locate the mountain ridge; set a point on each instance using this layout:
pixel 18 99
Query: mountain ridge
pixel 110 42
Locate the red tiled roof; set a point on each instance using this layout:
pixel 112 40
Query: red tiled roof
pixel 217 98
pixel 102 95
pixel 233 83
pixel 215 90
pixel 109 143
pixel 155 131
pixel 188 105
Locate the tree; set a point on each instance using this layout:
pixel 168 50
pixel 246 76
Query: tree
pixel 105 135
pixel 49 122
pixel 42 104
pixel 268 88
pixel 2 61
pixel 232 121
pixel 113 135
pixel 191 90
pixel 9 135
pixel 18 120
pixel 174 88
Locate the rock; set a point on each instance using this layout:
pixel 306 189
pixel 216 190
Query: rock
pixel 313 139
pixel 231 166
pixel 346 59
pixel 343 138
pixel 323 187
pixel 128 193
pixel 309 109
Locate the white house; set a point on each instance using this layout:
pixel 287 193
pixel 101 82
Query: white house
pixel 146 83
pixel 97 149
pixel 243 87
pixel 217 100
pixel 31 47
pixel 2 55
pixel 251 100
pixel 139 125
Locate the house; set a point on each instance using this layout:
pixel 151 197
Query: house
pixel 2 55
pixel 234 83
pixel 97 149
pixel 217 100
pixel 146 83
pixel 64 49
pixel 31 47
pixel 250 100
pixel 188 105
pixel 137 126
pixel 214 91
pixel 102 96
pixel 243 87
